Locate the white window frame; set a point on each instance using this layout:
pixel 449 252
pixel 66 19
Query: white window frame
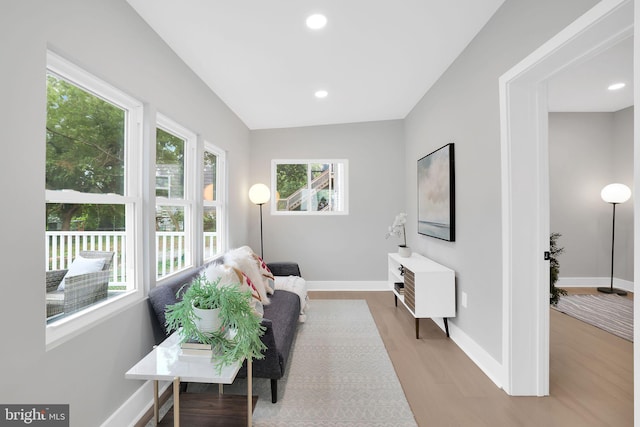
pixel 220 200
pixel 62 330
pixel 342 188
pixel 188 201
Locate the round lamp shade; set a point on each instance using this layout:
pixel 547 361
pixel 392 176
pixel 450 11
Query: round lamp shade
pixel 259 194
pixel 208 192
pixel 615 193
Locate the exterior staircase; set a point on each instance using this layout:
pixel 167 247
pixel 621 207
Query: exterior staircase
pixel 294 201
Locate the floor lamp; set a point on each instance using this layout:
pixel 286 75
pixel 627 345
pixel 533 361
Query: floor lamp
pixel 259 194
pixel 614 194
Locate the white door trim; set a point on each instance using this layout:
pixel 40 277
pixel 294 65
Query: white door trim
pixel 525 189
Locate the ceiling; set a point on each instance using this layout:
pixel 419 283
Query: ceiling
pixel 376 58
pixel 582 87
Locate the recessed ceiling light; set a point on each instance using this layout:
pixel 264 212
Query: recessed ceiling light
pixel 316 21
pixel 616 86
pixel 321 94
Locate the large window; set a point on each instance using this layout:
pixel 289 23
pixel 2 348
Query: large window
pixel 309 187
pixel 94 191
pixel 93 203
pixel 175 152
pixel 213 201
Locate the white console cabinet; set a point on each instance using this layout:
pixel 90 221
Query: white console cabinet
pixel 429 287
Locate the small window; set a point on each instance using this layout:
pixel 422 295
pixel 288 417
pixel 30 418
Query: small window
pixel 163 186
pixel 316 187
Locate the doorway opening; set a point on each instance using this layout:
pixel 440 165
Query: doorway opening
pixel 525 189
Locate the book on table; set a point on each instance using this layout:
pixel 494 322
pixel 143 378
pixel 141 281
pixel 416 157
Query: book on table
pixel 399 287
pixel 195 355
pixel 195 345
pixel 195 351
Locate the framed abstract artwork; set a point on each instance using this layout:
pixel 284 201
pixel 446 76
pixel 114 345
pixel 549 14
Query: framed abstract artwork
pixel 436 194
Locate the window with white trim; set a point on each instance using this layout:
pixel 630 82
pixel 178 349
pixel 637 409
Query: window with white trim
pixel 213 218
pixel 163 186
pixel 175 200
pixel 93 202
pixel 309 187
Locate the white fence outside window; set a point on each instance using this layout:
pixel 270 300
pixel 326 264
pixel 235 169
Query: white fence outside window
pixel 63 246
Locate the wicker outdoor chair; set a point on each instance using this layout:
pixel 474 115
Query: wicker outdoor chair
pixel 79 291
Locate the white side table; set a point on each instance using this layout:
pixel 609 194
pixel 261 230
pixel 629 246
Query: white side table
pixel 163 364
pixel 429 287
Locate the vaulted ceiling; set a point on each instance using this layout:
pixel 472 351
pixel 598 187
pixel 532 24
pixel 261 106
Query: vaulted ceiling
pixel 375 59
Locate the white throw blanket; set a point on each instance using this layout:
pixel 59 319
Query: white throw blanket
pixel 242 258
pixel 298 286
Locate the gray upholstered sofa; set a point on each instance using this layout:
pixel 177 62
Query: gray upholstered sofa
pixel 280 319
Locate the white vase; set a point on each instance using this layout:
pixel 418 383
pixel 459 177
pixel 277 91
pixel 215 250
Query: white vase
pixel 207 320
pixel 404 251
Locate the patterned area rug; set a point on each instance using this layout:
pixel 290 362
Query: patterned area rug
pixel 339 375
pixel 611 313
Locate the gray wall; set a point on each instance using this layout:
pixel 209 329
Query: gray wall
pixel 336 247
pixel 588 151
pixel 623 153
pixel 107 38
pixel 463 107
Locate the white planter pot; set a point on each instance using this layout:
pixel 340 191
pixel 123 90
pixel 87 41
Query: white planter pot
pixel 404 251
pixel 207 320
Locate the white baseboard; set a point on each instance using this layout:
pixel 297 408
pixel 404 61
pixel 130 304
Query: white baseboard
pixel 593 282
pixel 347 285
pixel 487 364
pixel 131 411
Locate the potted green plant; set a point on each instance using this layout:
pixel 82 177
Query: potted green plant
pixel 239 331
pixel 554 269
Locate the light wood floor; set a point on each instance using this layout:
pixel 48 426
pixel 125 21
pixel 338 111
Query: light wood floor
pixel 591 381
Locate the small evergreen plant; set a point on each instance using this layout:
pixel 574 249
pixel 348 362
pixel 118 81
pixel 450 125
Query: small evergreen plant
pixel 554 269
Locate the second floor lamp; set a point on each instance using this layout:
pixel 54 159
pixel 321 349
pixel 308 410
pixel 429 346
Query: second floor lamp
pixel 614 194
pixel 259 194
